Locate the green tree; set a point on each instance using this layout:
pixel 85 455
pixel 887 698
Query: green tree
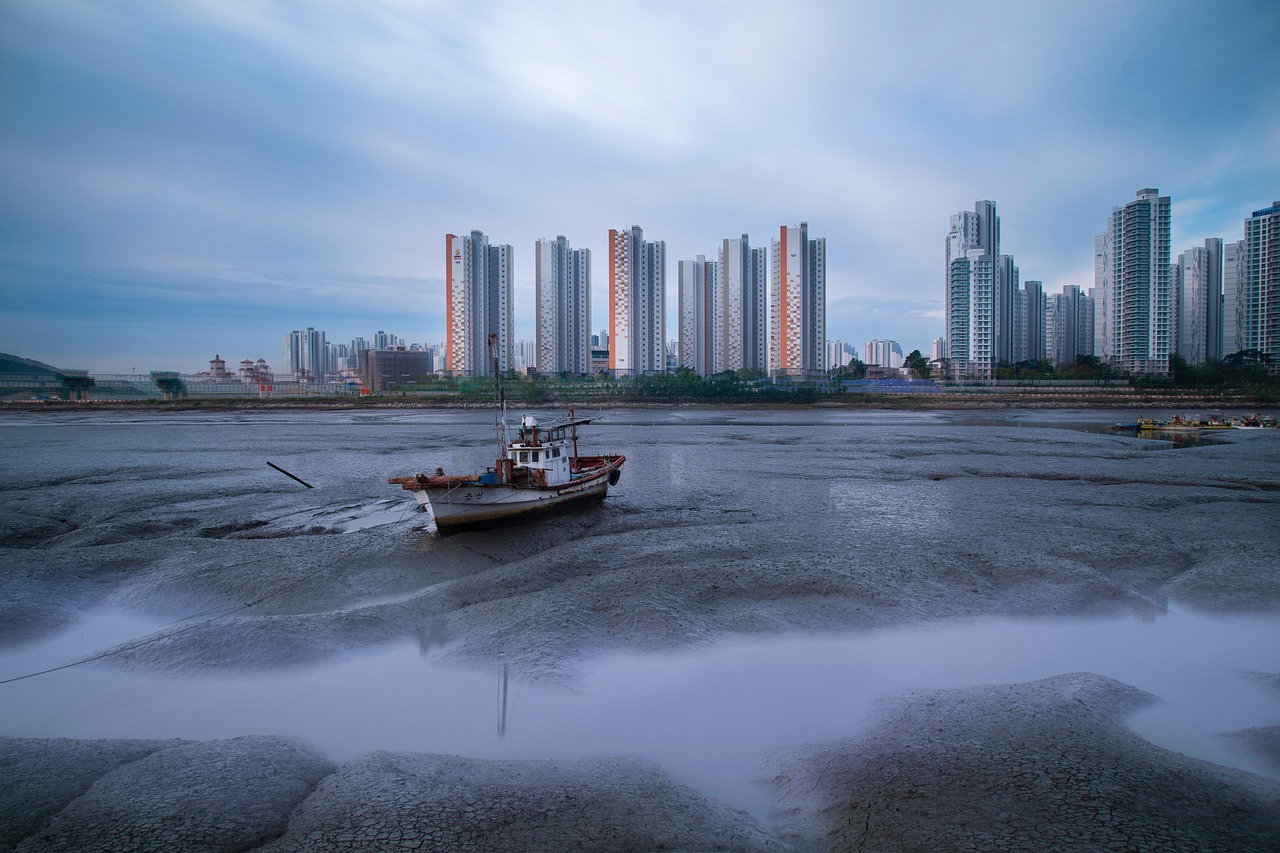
pixel 918 364
pixel 855 369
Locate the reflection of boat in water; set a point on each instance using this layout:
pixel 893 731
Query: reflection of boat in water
pixel 539 473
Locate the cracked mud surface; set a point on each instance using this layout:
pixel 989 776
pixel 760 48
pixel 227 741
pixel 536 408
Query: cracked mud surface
pixel 1036 766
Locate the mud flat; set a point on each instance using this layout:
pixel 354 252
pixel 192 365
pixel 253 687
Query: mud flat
pixel 1044 765
pixel 1025 767
pixel 725 525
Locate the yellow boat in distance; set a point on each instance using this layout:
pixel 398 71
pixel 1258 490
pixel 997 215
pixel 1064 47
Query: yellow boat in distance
pixel 1175 424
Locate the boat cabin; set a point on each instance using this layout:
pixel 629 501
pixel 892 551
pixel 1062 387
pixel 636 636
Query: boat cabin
pixel 547 451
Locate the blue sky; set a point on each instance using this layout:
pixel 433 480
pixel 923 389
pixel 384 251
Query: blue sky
pixel 194 177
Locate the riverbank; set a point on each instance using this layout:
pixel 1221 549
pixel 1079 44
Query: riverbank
pixel 971 399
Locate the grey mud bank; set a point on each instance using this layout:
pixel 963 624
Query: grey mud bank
pixel 1039 766
pixel 725 525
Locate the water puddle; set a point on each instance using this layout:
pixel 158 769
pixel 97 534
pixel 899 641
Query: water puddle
pixel 704 717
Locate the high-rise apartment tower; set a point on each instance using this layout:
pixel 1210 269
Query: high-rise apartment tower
pixel 1197 281
pixel 563 285
pixel 1258 296
pixel 637 300
pixel 1132 271
pixel 698 283
pixel 797 309
pixel 478 303
pixel 742 291
pixel 979 294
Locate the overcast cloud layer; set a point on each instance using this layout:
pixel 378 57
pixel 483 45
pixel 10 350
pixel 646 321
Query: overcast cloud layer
pixel 184 178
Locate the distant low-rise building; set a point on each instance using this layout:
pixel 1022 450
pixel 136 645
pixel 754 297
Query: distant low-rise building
pixel 385 370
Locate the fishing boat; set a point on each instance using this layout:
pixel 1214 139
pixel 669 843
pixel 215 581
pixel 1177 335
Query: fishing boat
pixel 538 473
pixel 1216 422
pixel 1254 422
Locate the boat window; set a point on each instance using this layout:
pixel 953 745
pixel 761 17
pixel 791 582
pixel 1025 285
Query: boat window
pixel 555 453
pixel 524 456
pixel 535 456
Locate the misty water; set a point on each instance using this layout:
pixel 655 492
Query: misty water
pixel 989 550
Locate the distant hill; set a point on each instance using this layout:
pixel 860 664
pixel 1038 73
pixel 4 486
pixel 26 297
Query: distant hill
pixel 17 364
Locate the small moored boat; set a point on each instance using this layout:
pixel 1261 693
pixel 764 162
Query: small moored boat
pixel 1175 424
pixel 539 474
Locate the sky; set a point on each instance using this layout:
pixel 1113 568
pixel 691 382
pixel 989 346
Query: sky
pixel 199 177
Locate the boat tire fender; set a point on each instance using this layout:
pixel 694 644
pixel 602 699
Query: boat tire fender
pixel 614 475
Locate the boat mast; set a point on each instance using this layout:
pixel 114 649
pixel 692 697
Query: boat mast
pixel 573 427
pixel 502 399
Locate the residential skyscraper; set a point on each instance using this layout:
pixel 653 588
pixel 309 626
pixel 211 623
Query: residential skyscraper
pixel 1031 328
pixel 1132 269
pixel 1233 270
pixel 798 304
pixel 1007 317
pixel 637 299
pixel 305 354
pixel 563 284
pixel 478 303
pixel 1259 284
pixel 837 355
pixel 1197 280
pixel 700 316
pixel 1068 325
pixel 742 293
pixel 883 353
pixel 979 300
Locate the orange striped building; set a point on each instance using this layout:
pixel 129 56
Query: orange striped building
pixel 797 309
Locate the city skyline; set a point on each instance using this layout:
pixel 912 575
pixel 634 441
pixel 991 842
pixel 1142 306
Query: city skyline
pixel 197 177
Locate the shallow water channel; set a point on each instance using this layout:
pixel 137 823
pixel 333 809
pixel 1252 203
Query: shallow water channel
pixel 704 716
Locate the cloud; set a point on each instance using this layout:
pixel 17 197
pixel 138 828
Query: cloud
pixel 323 150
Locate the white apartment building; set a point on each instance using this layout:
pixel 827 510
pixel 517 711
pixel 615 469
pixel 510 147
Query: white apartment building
pixel 637 302
pixel 305 354
pixel 979 293
pixel 1068 325
pixel 478 304
pixel 1258 285
pixel 1197 282
pixel 883 353
pixel 742 294
pixel 700 316
pixel 562 279
pixel 1132 271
